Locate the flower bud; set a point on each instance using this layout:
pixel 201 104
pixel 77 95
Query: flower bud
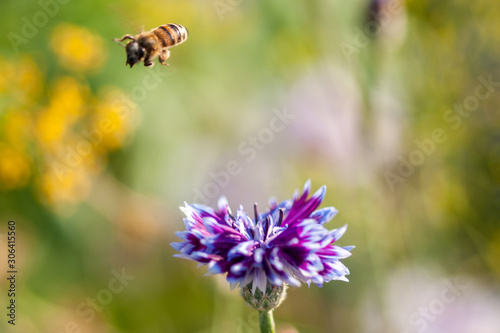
pixel 267 301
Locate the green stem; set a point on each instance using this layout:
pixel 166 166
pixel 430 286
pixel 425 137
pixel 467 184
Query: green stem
pixel 266 321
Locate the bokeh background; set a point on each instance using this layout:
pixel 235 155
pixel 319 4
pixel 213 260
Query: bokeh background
pixel 96 158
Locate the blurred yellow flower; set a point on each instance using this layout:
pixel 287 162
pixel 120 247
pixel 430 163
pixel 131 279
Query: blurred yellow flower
pixel 29 79
pixel 66 188
pixel 77 48
pixel 68 172
pixel 67 105
pixel 69 98
pixel 71 134
pixel 21 79
pixel 17 127
pixel 114 115
pixel 74 147
pixel 14 167
pixel 7 72
pixel 50 128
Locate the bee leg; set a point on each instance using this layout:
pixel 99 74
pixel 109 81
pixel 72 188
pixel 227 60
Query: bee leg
pixel 164 55
pixel 148 61
pixel 149 56
pixel 119 40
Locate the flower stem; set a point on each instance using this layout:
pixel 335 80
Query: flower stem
pixel 266 321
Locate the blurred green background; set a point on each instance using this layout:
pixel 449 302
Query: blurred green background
pixel 95 159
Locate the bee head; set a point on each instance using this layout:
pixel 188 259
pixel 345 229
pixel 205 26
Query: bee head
pixel 135 53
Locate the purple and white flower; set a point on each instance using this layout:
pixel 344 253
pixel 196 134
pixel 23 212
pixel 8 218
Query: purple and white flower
pixel 284 245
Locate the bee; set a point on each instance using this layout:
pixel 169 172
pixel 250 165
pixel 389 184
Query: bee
pixel 148 45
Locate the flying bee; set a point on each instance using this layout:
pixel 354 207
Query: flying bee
pixel 148 45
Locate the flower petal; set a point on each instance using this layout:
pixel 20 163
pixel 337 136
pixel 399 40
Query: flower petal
pixel 324 215
pixel 242 249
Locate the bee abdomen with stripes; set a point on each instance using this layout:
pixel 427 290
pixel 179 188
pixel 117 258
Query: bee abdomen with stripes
pixel 171 34
pixel 148 45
